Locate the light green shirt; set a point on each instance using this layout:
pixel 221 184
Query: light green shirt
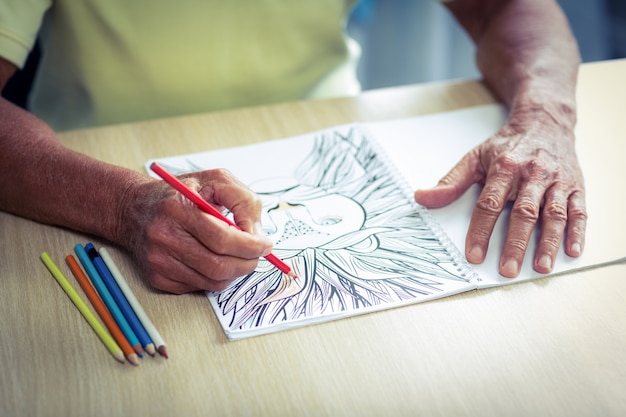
pixel 112 61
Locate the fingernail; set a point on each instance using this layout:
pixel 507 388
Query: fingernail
pixel 545 262
pixel 576 250
pixel 510 268
pixel 476 254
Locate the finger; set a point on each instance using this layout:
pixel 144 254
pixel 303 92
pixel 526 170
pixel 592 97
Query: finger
pixel 224 190
pixel 577 224
pixel 190 264
pixel 522 221
pixel 223 239
pixel 488 207
pixel 453 184
pixel 223 251
pixel 229 192
pixel 172 251
pixel 160 282
pixel 216 270
pixel 553 221
pixel 178 278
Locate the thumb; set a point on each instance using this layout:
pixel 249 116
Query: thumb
pixel 452 185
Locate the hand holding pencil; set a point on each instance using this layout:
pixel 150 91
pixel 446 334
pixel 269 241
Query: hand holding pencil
pixel 183 249
pixel 209 209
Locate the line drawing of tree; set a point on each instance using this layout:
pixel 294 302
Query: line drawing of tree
pixel 355 239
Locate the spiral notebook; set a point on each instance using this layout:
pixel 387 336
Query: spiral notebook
pixel 339 208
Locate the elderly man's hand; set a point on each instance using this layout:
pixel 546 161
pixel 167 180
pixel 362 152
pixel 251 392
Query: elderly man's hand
pixel 532 162
pixel 183 249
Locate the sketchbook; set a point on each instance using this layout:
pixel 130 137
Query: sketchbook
pixel 341 213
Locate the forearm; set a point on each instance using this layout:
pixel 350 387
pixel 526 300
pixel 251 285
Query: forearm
pixel 44 181
pixel 529 58
pixel 526 53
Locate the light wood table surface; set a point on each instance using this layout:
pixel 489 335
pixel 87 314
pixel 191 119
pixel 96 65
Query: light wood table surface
pixel 552 347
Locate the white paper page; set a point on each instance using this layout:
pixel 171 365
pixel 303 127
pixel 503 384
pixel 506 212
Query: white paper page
pixel 348 228
pixel 426 148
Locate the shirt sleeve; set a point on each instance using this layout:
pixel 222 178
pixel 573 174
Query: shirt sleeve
pixel 20 21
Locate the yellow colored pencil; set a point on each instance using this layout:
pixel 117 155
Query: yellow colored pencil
pixel 106 338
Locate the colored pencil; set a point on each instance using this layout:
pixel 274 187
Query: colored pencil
pixel 108 300
pixel 120 299
pixel 203 205
pixel 101 309
pixel 135 304
pixel 105 337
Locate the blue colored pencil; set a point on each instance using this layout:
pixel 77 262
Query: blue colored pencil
pixel 108 300
pixel 120 299
pixel 158 341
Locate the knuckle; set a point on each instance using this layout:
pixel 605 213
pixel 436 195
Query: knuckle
pixel 508 167
pixel 490 203
pixel 578 213
pixel 222 174
pixel 506 162
pixel 526 209
pixel 536 168
pixel 556 212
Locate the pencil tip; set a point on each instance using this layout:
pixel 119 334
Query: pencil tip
pixel 292 274
pixel 150 349
pixel 163 351
pixel 132 358
pixel 139 350
pixel 119 356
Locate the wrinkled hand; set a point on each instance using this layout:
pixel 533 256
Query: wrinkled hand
pixel 532 162
pixel 183 249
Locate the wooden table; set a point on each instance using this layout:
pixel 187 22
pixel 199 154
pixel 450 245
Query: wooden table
pixel 554 346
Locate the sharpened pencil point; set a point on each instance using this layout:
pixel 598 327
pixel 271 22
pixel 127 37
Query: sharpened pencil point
pixel 132 358
pixel 150 349
pixel 139 350
pixel 163 351
pixel 119 355
pixel 292 274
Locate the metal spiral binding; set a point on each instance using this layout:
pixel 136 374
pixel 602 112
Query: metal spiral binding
pixel 458 259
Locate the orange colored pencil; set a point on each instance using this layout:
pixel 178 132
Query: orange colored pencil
pixel 106 317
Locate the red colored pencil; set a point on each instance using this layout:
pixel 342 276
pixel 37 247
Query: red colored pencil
pixel 104 314
pixel 197 199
